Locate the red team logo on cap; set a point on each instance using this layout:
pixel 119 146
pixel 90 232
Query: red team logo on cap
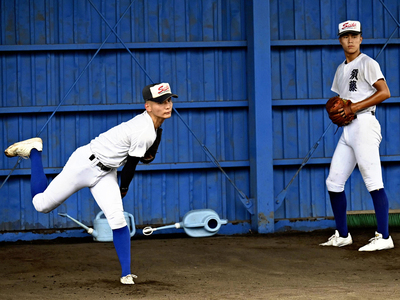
pixel 349 25
pixel 163 88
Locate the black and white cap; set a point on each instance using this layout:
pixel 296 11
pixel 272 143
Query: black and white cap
pixel 157 92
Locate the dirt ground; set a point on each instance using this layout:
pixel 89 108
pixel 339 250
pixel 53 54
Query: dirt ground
pixel 273 266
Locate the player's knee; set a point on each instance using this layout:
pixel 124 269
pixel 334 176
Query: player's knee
pixel 116 220
pixel 38 203
pixel 333 186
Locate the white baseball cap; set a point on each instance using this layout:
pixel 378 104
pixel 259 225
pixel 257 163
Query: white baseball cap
pixel 349 27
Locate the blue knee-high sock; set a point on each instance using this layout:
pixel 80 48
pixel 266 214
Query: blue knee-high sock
pixel 381 205
pixel 38 178
pixel 122 243
pixel 339 207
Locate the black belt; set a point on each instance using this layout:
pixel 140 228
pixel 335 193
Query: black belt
pixel 99 164
pixel 372 113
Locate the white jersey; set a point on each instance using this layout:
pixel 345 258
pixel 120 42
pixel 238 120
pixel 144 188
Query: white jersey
pixel 132 138
pixel 354 81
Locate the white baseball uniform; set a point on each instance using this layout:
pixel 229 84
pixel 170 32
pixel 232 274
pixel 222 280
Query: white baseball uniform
pixel 360 140
pixel 82 169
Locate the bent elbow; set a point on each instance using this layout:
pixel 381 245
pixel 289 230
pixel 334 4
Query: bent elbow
pixel 387 92
pixel 384 95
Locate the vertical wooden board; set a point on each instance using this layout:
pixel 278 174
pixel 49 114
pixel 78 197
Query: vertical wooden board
pixel 312 19
pixel 392 184
pixel 207 20
pixel 144 194
pixel 277 141
pixel 27 78
pixel 303 132
pixel 10 205
pixel 199 190
pixel 156 191
pixel 8 21
pixel 316 117
pixel 301 24
pixel 214 192
pixel 135 193
pixel 328 27
pixel 241 179
pixel 239 76
pixel 210 128
pixel 391 69
pixel 318 192
pixel 185 187
pixel 315 71
pixel 305 200
pixel 170 198
pixel 292 199
pixel 286 20
pixel 290 145
pixel 274 17
pixel 239 135
pixel 181 138
pixel 10 80
pixel 276 74
pixel 300 76
pixel 288 69
pixel 209 85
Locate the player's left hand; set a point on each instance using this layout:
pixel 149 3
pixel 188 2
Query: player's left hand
pixel 123 191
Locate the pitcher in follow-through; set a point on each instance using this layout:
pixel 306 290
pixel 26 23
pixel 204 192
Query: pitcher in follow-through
pixel 95 166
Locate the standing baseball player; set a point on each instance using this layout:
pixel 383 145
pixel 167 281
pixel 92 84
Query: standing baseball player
pixel 95 166
pixel 360 80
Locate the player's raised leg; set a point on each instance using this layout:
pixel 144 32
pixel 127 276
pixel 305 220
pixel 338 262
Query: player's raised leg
pixel 31 148
pixel 23 148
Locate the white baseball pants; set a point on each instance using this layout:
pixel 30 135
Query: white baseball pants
pixel 80 172
pixel 359 144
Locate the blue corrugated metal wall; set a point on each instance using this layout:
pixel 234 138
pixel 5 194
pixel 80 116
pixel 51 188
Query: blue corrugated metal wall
pixel 196 46
pixel 214 61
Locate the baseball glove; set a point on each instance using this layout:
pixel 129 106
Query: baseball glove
pixel 339 111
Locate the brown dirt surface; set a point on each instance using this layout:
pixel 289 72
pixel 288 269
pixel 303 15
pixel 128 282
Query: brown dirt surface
pixel 272 266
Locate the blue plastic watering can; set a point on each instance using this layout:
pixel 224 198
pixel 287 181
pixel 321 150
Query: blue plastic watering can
pixel 101 230
pixel 196 223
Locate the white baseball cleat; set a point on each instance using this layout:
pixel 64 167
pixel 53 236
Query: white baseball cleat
pixel 338 241
pixel 23 148
pixel 128 279
pixel 378 243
